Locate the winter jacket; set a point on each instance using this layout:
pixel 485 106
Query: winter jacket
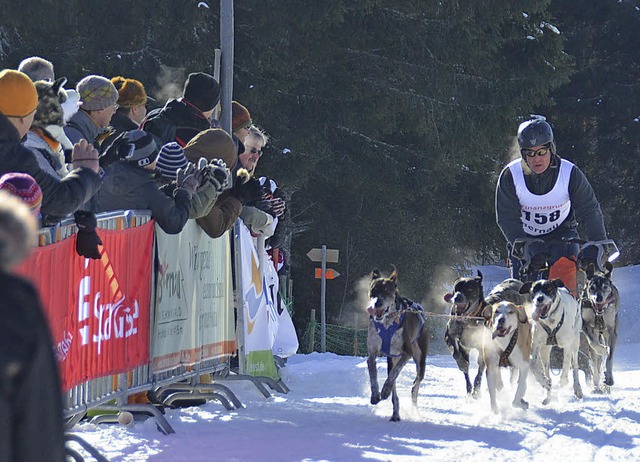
pixel 177 121
pixel 201 202
pixel 31 426
pixel 48 152
pixel 128 187
pixel 585 208
pixel 81 126
pixel 120 122
pixel 60 197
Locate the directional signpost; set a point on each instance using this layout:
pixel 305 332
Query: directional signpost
pixel 324 255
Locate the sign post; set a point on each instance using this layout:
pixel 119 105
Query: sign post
pixel 324 255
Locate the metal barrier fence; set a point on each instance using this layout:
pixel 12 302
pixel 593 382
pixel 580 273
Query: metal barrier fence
pixel 110 393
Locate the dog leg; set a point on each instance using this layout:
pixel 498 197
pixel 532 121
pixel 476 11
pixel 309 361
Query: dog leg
pixel 518 400
pixel 478 380
pixel 567 364
pixel 577 388
pixel 541 359
pixel 613 340
pixel 373 378
pixel 420 358
pixel 395 417
pixel 493 371
pixel 394 372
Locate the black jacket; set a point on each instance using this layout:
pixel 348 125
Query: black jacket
pixel 585 209
pixel 129 187
pixel 31 422
pixel 60 197
pixel 120 122
pixel 177 121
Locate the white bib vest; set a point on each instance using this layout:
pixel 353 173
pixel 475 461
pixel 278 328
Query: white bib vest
pixel 542 214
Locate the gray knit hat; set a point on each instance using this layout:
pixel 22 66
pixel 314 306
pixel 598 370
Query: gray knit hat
pixel 96 93
pixel 141 148
pixel 170 159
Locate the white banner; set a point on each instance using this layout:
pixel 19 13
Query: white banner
pixel 194 301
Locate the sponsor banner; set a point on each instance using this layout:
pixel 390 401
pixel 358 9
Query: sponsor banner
pixel 98 310
pixel 194 300
pixel 260 313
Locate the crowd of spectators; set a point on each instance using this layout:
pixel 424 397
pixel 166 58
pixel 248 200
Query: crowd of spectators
pixel 76 152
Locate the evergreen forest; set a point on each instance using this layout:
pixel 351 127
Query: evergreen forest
pixel 389 120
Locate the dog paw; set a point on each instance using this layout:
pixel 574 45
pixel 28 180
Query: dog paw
pixel 608 380
pixel 395 418
pixel 375 398
pixel 546 401
pixel 578 393
pixel 522 404
pixel 476 393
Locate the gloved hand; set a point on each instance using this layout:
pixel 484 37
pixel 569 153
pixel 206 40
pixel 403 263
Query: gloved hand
pixel 200 172
pixel 536 255
pixel 589 255
pixel 87 240
pixel 186 178
pixel 278 206
pixel 217 173
pixel 85 155
pixel 248 192
pixel 538 261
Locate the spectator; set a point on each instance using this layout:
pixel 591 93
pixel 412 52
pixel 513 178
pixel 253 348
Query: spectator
pixel 540 195
pixel 212 144
pixel 171 159
pixel 24 187
pixel 32 426
pixel 258 216
pixel 98 97
pixel 182 119
pixel 37 69
pixel 240 120
pixel 18 104
pixel 131 184
pixel 132 108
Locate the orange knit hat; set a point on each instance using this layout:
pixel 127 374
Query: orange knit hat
pixel 18 95
pixel 131 92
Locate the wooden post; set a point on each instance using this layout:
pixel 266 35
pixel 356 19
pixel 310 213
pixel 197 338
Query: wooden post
pixel 312 334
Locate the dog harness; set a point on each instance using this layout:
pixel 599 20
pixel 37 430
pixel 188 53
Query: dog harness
pixel 386 333
pixel 551 334
pixel 504 357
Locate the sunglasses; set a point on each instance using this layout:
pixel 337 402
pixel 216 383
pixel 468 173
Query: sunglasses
pixel 532 153
pixel 255 151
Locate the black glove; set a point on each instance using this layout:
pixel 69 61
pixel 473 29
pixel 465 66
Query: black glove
pixel 587 256
pixel 187 179
pixel 87 240
pixel 217 173
pixel 247 193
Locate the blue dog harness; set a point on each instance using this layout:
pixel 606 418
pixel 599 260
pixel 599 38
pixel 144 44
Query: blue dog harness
pixel 387 333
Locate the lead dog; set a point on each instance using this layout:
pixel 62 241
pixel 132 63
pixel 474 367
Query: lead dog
pixel 600 306
pixel 396 329
pixel 557 321
pixel 507 343
pixel 465 329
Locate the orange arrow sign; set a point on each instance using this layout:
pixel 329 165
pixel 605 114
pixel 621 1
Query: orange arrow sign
pixel 328 274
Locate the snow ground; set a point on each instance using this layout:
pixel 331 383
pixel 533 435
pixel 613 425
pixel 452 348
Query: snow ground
pixel 327 417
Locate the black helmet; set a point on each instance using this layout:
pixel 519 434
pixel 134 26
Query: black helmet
pixel 535 132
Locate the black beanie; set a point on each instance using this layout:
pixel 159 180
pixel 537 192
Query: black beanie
pixel 202 90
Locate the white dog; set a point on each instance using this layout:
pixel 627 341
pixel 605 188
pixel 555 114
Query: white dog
pixel 557 321
pixel 509 344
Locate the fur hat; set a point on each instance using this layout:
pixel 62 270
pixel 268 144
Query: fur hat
pixel 18 95
pixel 17 230
pixel 23 185
pixel 202 90
pixel 131 92
pixel 213 143
pixel 142 149
pixel 37 68
pixel 96 93
pixel 170 159
pixel 240 117
pixel 51 95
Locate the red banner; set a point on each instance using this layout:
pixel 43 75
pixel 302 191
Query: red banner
pixel 98 310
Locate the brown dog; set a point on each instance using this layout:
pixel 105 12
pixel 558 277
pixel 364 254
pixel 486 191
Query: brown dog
pixel 397 330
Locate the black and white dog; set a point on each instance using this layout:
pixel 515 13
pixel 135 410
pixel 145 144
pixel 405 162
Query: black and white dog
pixel 397 330
pixel 465 330
pixel 600 306
pixel 557 321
